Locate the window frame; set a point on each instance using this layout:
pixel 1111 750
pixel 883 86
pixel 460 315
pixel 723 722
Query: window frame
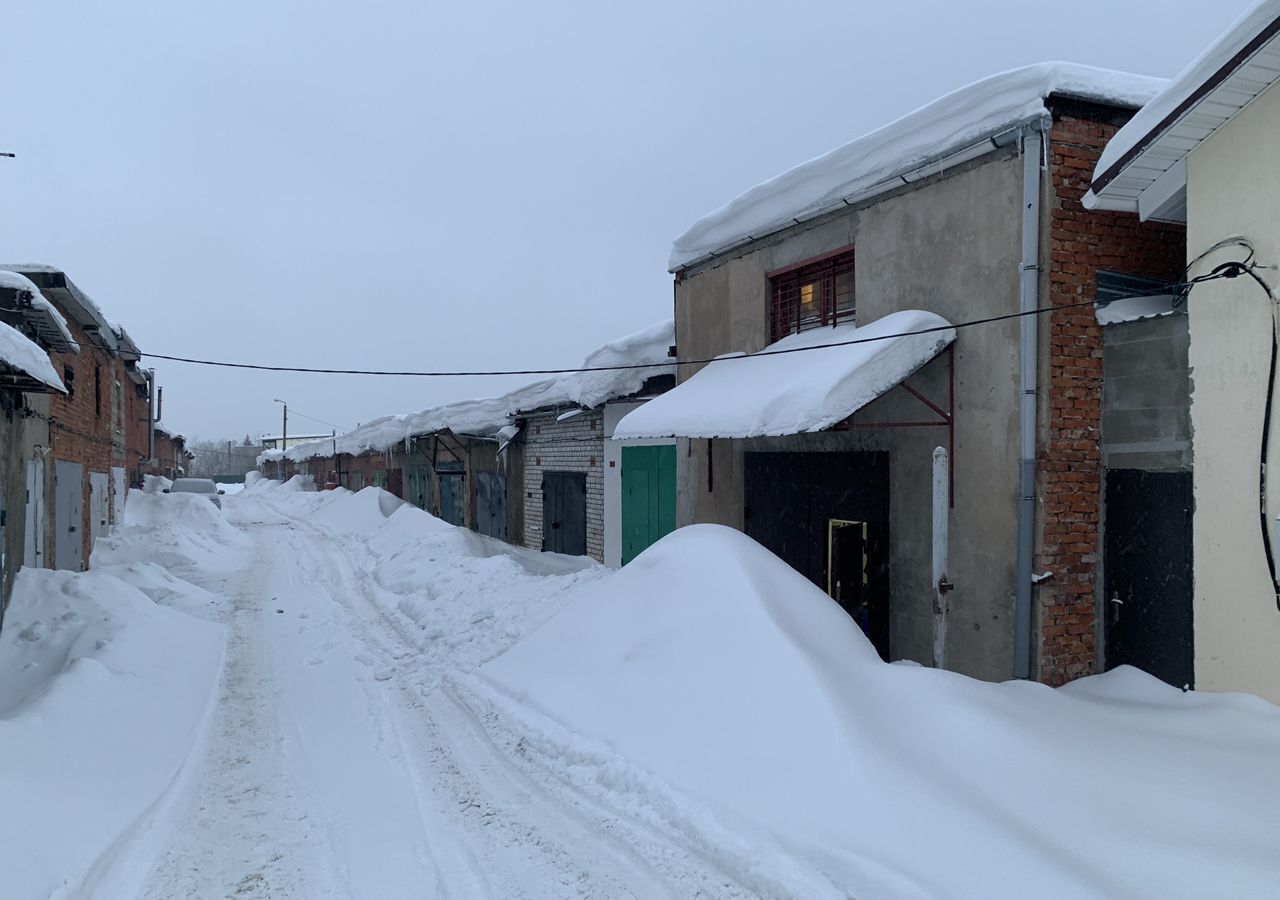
pixel 786 285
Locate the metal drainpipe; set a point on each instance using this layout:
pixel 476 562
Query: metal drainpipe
pixel 1028 352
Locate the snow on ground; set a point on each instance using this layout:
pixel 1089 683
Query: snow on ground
pixel 803 382
pixel 408 709
pixel 103 692
pixel 710 669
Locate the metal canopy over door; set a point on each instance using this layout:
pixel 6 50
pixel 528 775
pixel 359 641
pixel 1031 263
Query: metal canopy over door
pixel 827 516
pixel 564 512
pixel 451 492
pixel 648 497
pixel 33 546
pixel 1147 574
pixel 68 513
pixel 99 506
pixel 491 504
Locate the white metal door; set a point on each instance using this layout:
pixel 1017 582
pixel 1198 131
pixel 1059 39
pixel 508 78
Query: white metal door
pixel 33 546
pixel 98 506
pixel 119 490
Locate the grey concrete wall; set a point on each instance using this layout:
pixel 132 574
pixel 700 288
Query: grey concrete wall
pixel 950 246
pixel 1146 399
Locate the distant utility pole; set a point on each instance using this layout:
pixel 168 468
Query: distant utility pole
pixel 284 435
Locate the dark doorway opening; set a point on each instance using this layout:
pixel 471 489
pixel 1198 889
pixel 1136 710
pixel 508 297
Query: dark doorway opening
pixel 1147 615
pixel 827 516
pixel 564 512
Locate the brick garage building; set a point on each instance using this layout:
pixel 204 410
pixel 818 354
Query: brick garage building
pixel 563 489
pixel 930 214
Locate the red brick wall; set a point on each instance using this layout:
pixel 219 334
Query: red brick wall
pixel 137 421
pixel 80 425
pixel 1070 462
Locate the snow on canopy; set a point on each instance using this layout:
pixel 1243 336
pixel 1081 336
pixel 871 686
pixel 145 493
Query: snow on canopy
pixel 1185 83
pixel 951 123
pixel 20 282
pixel 20 352
pixel 709 679
pixel 488 418
pixel 755 395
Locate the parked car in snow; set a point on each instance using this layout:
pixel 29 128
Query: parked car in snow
pixel 204 486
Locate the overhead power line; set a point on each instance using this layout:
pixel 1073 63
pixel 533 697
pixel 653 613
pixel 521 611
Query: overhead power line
pixel 1177 289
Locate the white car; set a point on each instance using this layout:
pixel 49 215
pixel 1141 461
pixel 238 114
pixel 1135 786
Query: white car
pixel 204 486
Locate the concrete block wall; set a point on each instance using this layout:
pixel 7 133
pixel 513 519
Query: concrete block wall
pixel 1070 455
pixel 574 445
pixel 1146 398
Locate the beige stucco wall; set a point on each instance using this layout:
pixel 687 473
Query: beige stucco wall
pixel 1234 189
pixel 952 247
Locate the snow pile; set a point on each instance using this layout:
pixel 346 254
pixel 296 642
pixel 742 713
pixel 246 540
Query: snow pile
pixel 797 389
pixel 490 418
pixel 952 123
pixel 185 533
pixel 1230 43
pixel 19 282
pixel 20 352
pixel 155 484
pixel 711 682
pixel 102 694
pixel 461 598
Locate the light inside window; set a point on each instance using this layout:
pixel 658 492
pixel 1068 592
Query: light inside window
pixel 808 294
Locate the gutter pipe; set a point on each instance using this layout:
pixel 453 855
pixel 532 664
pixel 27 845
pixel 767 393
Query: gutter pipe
pixel 1028 352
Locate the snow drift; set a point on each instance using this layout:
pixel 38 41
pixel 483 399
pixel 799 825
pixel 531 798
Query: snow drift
pixel 102 694
pixel 184 533
pixel 711 664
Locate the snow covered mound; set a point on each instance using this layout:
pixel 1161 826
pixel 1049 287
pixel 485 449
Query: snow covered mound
pixel 102 694
pixel 185 533
pixel 945 126
pixel 712 665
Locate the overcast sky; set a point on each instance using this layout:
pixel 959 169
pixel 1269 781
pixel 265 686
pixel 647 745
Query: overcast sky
pixel 470 185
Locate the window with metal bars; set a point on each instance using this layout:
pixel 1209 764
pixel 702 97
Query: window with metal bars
pixel 812 294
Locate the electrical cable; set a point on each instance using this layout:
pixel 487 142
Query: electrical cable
pixel 1175 288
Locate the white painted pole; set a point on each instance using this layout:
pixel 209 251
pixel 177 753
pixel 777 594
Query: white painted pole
pixel 941 550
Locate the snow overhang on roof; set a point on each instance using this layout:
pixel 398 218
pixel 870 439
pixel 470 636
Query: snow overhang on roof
pixel 961 126
pixel 799 384
pixel 1143 168
pixel 25 308
pixel 56 286
pixel 25 365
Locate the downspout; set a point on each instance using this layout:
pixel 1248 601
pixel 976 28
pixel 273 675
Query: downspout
pixel 1028 353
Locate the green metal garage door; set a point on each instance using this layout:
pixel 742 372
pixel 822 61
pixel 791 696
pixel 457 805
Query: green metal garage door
pixel 648 497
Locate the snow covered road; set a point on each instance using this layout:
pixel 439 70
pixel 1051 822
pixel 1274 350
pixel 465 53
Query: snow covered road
pixel 335 694
pixel 340 761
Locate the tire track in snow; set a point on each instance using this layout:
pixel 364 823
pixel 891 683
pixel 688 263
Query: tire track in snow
pixel 536 835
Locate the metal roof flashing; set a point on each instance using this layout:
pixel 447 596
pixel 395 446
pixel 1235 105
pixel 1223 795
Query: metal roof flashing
pixel 1149 176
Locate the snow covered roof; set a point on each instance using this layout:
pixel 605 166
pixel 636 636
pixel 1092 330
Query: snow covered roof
pixel 20 354
pixel 947 131
pixel 487 418
pixel 35 310
pixel 56 286
pixel 1143 167
pixel 789 388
